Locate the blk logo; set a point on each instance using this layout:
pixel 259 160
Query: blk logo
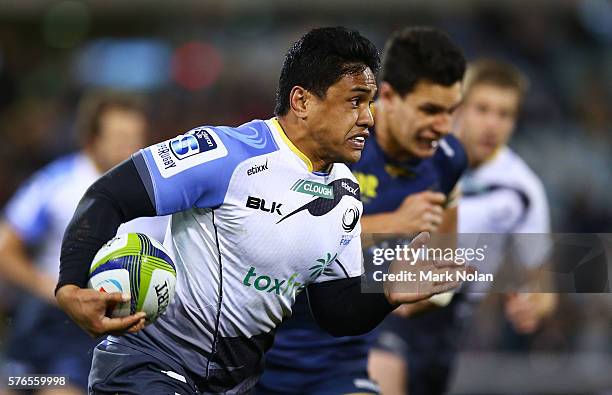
pixel 260 204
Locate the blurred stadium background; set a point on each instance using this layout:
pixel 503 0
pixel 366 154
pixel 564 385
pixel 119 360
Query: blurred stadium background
pixel 217 62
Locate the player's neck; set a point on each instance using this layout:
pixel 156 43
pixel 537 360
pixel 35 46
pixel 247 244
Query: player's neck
pixel 304 142
pixel 474 163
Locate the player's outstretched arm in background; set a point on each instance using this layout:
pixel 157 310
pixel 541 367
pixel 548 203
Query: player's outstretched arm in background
pixel 18 269
pixel 117 197
pixel 419 212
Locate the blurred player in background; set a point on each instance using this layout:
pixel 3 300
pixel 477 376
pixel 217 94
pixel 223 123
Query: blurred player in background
pixel 43 340
pixel 407 174
pixel 418 355
pixel 501 194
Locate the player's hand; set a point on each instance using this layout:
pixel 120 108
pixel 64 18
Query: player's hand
pixel 526 311
pixel 444 277
pixel 409 310
pixel 420 212
pixel 88 307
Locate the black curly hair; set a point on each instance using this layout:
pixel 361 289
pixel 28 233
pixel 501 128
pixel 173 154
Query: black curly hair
pixel 421 53
pixel 320 58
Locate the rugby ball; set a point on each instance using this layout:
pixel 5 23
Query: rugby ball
pixel 139 265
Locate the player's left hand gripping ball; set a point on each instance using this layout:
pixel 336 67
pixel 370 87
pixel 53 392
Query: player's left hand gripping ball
pixel 133 263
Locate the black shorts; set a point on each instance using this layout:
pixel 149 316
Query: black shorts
pixel 117 368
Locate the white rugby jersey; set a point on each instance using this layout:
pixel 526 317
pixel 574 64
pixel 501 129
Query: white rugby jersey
pixel 42 208
pixel 252 226
pixel 504 196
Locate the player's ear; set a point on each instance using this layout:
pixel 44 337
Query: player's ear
pixel 386 93
pixel 298 100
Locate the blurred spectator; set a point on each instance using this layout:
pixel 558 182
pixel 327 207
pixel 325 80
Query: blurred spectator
pixel 42 339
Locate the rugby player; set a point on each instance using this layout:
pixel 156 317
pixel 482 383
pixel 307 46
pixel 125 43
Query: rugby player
pixel 247 234
pixel 500 187
pixel 499 195
pixel 42 339
pixel 408 174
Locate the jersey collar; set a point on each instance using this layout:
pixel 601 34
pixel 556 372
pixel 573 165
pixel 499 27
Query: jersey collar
pixel 291 146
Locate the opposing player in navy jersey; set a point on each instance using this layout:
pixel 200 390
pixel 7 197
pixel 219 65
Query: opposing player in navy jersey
pixel 408 176
pixel 258 215
pixel 42 339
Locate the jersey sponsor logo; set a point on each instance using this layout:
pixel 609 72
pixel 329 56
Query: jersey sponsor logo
pixel 260 204
pixel 322 266
pixel 321 206
pixel 368 183
pixel 270 284
pixel 350 219
pixel 191 149
pixel 257 169
pixel 163 151
pixel 314 189
pixel 346 239
pixel 351 189
pixel 192 143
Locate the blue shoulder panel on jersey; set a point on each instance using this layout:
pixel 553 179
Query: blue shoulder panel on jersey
pixel 451 160
pixel 27 209
pixel 194 169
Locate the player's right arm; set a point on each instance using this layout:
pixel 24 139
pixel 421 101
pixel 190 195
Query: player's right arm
pixel 190 170
pixel 168 177
pixel 117 197
pixel 342 309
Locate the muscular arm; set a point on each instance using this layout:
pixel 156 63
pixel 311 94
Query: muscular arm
pixel 341 309
pixel 117 197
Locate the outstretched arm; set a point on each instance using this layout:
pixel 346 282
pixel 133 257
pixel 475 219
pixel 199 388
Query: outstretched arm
pixel 17 267
pixel 341 309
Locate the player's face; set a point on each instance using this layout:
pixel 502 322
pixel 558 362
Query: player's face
pixel 339 122
pixel 418 120
pixel 122 132
pixel 487 119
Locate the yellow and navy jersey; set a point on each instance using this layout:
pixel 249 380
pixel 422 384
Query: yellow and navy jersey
pixel 300 344
pixel 385 183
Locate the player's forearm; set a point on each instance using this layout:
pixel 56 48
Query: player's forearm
pixel 117 197
pixel 17 268
pixel 379 223
pixel 341 309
